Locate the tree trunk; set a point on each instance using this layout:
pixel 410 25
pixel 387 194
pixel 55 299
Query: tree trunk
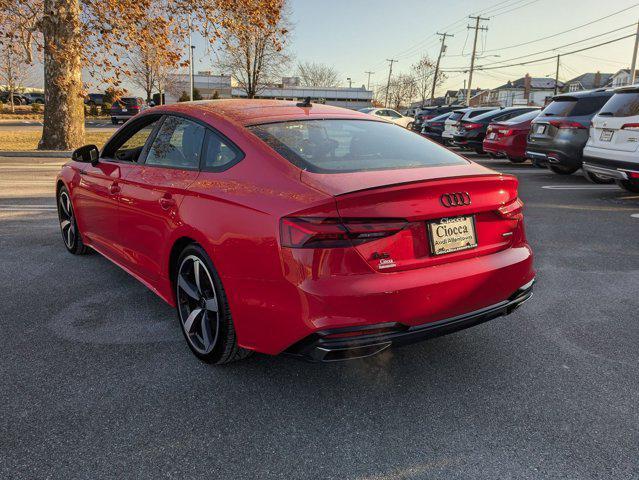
pixel 64 103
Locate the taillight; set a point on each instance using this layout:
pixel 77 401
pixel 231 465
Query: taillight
pixel 314 232
pixel 436 124
pixel 505 132
pixel 511 210
pixel 563 124
pixel 472 126
pixel 633 174
pixel 630 126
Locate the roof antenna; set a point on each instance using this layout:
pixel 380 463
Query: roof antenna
pixel 305 103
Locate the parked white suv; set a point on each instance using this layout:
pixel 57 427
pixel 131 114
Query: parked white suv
pixel 390 115
pixel 451 125
pixel 613 145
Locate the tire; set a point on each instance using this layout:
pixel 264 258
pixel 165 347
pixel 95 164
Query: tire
pixel 68 226
pixel 598 179
pixel 202 309
pixel 562 170
pixel 517 160
pixel 629 185
pixel 409 126
pixel 114 121
pixel 479 151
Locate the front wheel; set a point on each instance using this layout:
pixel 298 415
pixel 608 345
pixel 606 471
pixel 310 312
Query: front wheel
pixel 203 309
pixel 598 179
pixel 629 185
pixel 409 126
pixel 563 170
pixel 68 225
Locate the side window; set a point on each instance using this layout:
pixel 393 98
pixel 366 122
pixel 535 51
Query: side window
pixel 381 113
pixel 393 114
pixel 177 144
pixel 219 154
pixel 131 145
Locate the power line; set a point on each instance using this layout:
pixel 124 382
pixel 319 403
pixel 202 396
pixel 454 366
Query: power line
pixel 565 31
pixel 554 49
pixel 552 57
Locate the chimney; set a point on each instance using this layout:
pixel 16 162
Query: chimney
pixel 597 82
pixel 527 86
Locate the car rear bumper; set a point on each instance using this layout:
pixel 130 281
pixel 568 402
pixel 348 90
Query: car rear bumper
pixel 345 344
pixel 554 157
pixel 616 169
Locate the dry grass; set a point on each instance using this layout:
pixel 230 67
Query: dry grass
pixel 28 140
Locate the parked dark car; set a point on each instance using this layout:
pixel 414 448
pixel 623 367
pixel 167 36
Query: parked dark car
pixel 559 134
pixel 34 97
pixel 18 98
pixel 509 139
pixel 429 113
pixel 125 108
pixel 471 133
pixel 94 99
pixel 433 128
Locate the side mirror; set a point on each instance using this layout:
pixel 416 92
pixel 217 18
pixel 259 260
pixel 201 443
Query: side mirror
pixel 151 103
pixel 86 154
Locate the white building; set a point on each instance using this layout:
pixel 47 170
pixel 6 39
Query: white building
pixel 623 77
pixel 524 91
pixel 223 86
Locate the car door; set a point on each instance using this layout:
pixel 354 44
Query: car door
pixel 97 195
pixel 153 190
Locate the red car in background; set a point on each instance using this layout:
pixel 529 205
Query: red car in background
pixel 509 139
pixel 311 230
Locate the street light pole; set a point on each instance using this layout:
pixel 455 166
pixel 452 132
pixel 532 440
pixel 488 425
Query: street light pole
pixel 633 68
pixel 350 82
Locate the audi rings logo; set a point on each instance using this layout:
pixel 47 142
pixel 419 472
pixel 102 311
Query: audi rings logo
pixel 457 199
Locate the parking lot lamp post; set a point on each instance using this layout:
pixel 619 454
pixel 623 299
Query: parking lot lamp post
pixel 350 82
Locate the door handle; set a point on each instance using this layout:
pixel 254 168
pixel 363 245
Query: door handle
pixel 167 202
pixel 114 188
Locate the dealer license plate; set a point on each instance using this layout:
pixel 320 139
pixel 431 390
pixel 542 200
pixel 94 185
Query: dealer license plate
pixel 540 129
pixel 491 135
pixel 606 135
pixel 448 235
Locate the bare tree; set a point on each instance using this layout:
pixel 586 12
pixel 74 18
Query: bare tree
pixel 254 56
pixel 401 91
pixel 96 34
pixel 317 75
pixel 13 70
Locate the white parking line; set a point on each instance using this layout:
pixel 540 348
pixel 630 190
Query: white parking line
pixel 25 208
pixel 581 187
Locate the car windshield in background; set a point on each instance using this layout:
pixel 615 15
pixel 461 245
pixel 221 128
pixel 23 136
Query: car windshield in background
pixel 624 104
pixel 488 115
pixel 441 117
pixel 366 110
pixel 336 146
pixel 456 115
pixel 575 107
pixel 129 101
pixel 524 117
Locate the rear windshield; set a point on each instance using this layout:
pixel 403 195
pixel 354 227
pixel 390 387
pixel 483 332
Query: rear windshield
pixel 129 101
pixel 575 107
pixel 336 146
pixel 622 105
pixel 526 117
pixel 475 113
pixel 441 118
pixel 456 116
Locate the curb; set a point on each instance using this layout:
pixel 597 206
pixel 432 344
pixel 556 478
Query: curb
pixel 38 154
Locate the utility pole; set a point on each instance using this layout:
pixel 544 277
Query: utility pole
pixel 633 68
pixel 557 75
pixel 442 50
pixel 368 85
pixel 390 72
pixel 350 82
pixel 477 28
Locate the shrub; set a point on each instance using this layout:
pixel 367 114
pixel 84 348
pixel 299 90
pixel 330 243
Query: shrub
pixel 196 94
pixel 184 97
pixel 1 107
pixel 36 107
pixel 93 110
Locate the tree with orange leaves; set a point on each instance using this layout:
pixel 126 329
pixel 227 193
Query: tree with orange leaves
pixel 72 35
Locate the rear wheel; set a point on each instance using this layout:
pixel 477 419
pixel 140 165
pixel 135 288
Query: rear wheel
pixel 68 225
pixel 114 121
pixel 596 178
pixel 479 151
pixel 410 125
pixel 562 169
pixel 629 185
pixel 203 309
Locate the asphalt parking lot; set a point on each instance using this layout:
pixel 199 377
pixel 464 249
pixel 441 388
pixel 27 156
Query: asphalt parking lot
pixel 96 380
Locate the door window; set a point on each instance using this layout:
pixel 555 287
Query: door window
pixel 178 144
pixel 393 114
pixel 128 145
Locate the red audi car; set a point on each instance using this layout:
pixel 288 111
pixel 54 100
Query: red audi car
pixel 509 139
pixel 311 230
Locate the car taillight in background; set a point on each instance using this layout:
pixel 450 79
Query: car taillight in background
pixel 630 126
pixel 633 175
pixel 436 124
pixel 472 126
pixel 564 124
pixel 314 232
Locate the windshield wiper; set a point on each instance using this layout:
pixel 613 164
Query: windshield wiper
pixel 606 114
